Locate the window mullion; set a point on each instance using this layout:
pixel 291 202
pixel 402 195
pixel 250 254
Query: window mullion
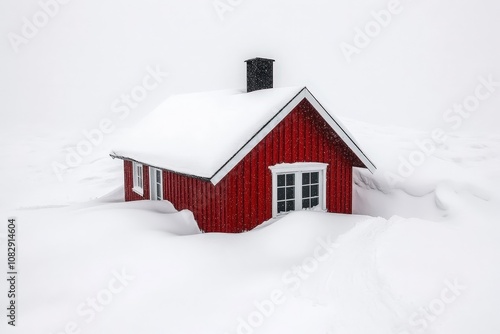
pixel 298 191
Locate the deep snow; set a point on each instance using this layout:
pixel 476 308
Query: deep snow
pixel 390 274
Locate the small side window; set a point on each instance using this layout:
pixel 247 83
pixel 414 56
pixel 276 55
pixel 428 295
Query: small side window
pixel 138 178
pixel 156 184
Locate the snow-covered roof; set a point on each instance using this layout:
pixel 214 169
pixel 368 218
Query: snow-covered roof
pixel 207 134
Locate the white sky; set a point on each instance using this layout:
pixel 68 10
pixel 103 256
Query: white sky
pixel 428 58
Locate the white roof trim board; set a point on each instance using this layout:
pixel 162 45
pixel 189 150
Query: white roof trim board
pixel 157 147
pixel 303 94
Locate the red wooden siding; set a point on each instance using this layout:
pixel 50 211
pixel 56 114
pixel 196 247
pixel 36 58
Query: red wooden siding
pixel 131 195
pixel 243 199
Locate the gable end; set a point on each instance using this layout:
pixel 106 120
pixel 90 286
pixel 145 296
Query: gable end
pixel 280 116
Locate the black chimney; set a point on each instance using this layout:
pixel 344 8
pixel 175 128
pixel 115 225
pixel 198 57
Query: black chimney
pixel 259 74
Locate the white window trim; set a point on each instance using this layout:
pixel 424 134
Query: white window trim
pixel 152 183
pixel 299 168
pixel 137 188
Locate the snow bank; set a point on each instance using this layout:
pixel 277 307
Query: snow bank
pixel 429 263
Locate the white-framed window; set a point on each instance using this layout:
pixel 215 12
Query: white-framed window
pixel 298 186
pixel 137 176
pixel 156 184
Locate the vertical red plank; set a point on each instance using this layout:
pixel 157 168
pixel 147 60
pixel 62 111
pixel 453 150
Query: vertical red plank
pixel 300 135
pixel 261 160
pixel 307 133
pixel 292 136
pixel 169 186
pixel 342 184
pixel 222 205
pixel 315 139
pixel 188 191
pixel 276 142
pixel 220 223
pixel 205 207
pixel 227 204
pixel 165 185
pixel 346 185
pixel 145 182
pixel 204 202
pixel 298 139
pixel 288 140
pixel 349 189
pixel 175 187
pixel 180 192
pixel 182 187
pixel 238 182
pixel 240 196
pixel 215 207
pixel 232 204
pixel 335 170
pixel 249 189
pixel 346 182
pixel 247 207
pixel 255 186
pixel 282 154
pixel 321 136
pixel 185 191
pixel 212 222
pixel 180 198
pixel 234 198
pixel 269 162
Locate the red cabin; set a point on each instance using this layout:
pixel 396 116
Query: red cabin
pixel 237 159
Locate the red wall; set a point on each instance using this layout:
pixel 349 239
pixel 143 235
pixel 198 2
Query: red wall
pixel 243 199
pixel 131 195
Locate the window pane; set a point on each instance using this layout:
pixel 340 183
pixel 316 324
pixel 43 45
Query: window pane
pixel 158 175
pixel 290 192
pixel 281 180
pixel 281 194
pixel 314 177
pixel 314 202
pixel 314 190
pixel 306 203
pixel 290 179
pixel 290 206
pixel 281 207
pixel 305 191
pixel 305 178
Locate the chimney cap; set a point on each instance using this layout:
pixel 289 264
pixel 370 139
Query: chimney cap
pixel 259 59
